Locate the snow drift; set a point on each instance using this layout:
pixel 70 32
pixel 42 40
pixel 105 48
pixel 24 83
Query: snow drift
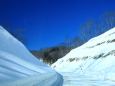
pixel 95 58
pixel 19 67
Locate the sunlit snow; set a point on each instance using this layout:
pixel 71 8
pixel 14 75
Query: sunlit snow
pixel 18 67
pixel 94 60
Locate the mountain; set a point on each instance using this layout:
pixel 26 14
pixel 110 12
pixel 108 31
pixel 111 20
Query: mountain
pixel 96 58
pixel 18 67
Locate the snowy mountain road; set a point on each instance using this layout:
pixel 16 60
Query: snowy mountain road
pixel 81 80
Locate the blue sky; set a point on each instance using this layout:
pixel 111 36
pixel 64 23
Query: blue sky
pixel 47 22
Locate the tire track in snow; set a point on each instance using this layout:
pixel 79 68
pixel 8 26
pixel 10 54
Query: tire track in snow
pixel 72 79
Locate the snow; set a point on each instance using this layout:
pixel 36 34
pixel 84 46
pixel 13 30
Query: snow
pixel 18 67
pixel 48 79
pixel 94 59
pixel 91 64
pixel 72 79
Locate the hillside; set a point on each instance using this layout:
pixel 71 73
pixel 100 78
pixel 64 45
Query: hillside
pixel 96 58
pixel 18 67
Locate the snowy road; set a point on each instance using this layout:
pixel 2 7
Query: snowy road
pixel 48 79
pixel 74 80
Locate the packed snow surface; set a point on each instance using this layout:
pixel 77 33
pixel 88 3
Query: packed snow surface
pixel 72 79
pixel 95 59
pixel 18 67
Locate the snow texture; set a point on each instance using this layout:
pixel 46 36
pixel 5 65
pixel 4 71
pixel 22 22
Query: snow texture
pixel 18 67
pixel 95 59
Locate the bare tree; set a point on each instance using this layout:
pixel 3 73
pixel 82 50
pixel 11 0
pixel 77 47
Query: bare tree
pixel 75 42
pixel 86 30
pixel 68 42
pixel 106 21
pixel 18 33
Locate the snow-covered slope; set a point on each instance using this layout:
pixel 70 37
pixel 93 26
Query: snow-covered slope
pixel 95 58
pixel 18 67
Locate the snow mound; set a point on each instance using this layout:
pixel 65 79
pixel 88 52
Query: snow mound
pixel 94 58
pixel 17 64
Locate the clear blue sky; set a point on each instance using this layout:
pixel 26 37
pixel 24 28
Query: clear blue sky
pixel 47 22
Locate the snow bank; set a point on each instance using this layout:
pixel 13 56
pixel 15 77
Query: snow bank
pixel 94 58
pixel 18 66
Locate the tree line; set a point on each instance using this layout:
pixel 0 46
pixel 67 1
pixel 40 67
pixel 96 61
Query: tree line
pixel 92 28
pixel 87 30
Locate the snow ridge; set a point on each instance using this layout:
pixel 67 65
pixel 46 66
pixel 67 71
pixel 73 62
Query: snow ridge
pixel 18 67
